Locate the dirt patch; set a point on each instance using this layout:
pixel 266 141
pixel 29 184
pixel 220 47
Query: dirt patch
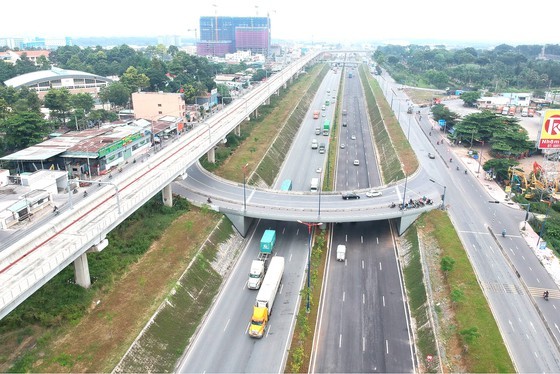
pixel 97 343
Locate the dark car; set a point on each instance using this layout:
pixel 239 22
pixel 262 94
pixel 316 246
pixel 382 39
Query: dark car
pixel 350 196
pixel 431 155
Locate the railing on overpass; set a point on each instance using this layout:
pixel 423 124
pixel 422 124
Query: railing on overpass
pixel 28 264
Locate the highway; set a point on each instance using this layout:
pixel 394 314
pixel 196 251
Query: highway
pixel 529 325
pixel 222 345
pixel 363 324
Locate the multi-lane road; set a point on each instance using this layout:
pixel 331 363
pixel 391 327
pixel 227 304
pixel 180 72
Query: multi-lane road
pixel 364 323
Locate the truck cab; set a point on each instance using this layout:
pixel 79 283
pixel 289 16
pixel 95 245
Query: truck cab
pixel 258 322
pixel 256 275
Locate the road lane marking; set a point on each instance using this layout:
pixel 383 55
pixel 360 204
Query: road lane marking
pixel 363 264
pixel 227 323
pixel 387 346
pixel 343 295
pixel 377 239
pixel 380 266
pixel 340 341
pixel 363 298
pixel 363 343
pixel 383 298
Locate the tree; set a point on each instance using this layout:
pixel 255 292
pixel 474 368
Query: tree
pixel 115 93
pixel 58 102
pixel 24 129
pixel 447 264
pixel 83 101
pixel 470 97
pixel 133 80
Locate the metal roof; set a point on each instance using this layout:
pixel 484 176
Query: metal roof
pixel 46 75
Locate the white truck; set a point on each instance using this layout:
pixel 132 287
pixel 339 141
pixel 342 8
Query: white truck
pixel 258 270
pixel 341 252
pixel 260 265
pixel 266 296
pixel 314 184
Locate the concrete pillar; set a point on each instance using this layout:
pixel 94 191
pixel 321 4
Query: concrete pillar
pixel 237 130
pixel 241 223
pixel 81 271
pixel 267 101
pixel 285 85
pixel 212 155
pixel 167 196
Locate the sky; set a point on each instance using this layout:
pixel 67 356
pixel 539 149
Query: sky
pixel 381 21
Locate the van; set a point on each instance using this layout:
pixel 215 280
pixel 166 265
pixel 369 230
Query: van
pixel 314 184
pixel 314 144
pixel 525 112
pixel 340 252
pixel 505 111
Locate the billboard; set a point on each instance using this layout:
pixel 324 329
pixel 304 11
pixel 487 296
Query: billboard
pixel 550 130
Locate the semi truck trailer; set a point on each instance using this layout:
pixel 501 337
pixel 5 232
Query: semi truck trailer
pixel 265 298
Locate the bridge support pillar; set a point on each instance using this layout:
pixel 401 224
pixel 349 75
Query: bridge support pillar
pixel 237 130
pixel 405 222
pixel 267 101
pixel 212 155
pixel 81 271
pixel 167 196
pixel 285 85
pixel 241 223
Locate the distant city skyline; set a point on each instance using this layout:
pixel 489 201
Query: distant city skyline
pixel 404 22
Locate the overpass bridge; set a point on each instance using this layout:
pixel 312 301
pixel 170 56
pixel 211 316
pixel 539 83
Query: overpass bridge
pixel 242 203
pixel 66 238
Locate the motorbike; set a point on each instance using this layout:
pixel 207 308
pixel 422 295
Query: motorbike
pixel 85 193
pixel 55 211
pixel 545 295
pixel 209 201
pixel 465 171
pixel 504 233
pixel 457 167
pixel 450 160
pixel 392 205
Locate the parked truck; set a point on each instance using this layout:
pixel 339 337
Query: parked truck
pixel 260 264
pixel 265 298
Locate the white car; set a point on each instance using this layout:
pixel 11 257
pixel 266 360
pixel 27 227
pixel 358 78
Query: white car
pixel 342 146
pixel 373 193
pixel 319 170
pixel 353 137
pixel 357 162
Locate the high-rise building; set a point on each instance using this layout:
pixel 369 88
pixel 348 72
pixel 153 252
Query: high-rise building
pixel 221 35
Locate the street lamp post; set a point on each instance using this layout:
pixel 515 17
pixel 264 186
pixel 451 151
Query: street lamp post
pixel 526 215
pixel 443 196
pixel 244 183
pixel 319 187
pixel 309 225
